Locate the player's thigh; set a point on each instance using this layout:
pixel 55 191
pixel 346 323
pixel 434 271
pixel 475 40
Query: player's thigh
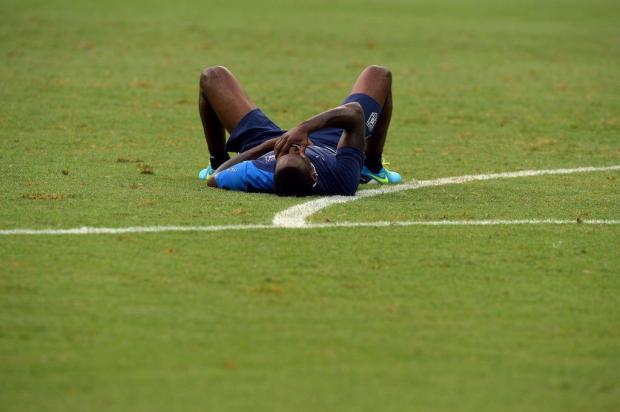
pixel 226 96
pixel 374 81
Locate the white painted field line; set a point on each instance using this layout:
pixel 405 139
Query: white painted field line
pixel 489 222
pixel 296 216
pixel 85 230
pixel 220 228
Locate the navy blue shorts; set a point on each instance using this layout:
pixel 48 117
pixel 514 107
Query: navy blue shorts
pixel 255 127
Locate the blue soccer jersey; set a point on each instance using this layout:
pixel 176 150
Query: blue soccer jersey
pixel 338 172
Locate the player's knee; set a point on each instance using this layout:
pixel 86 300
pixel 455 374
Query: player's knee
pixel 380 72
pixel 213 75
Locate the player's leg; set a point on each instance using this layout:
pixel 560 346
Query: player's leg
pixel 376 82
pixel 222 104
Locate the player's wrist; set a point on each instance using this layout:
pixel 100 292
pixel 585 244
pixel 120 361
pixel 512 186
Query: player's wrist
pixel 303 128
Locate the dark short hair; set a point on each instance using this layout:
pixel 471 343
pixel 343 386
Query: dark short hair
pixel 292 181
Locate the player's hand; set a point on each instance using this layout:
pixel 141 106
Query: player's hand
pixel 294 137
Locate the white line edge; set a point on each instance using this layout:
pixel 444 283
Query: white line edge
pixel 159 229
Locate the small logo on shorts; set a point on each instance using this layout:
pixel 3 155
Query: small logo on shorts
pixel 372 121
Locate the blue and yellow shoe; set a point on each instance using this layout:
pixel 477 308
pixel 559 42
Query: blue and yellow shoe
pixel 383 176
pixel 205 173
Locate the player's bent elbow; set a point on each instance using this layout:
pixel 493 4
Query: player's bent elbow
pixel 357 114
pixel 211 181
pixel 356 109
pixel 348 191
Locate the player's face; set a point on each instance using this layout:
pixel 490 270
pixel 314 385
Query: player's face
pixel 314 174
pixel 295 151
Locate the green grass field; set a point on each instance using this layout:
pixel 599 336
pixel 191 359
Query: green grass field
pixel 473 318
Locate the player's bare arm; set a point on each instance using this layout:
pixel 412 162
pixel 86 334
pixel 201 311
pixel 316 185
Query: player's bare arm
pixel 349 117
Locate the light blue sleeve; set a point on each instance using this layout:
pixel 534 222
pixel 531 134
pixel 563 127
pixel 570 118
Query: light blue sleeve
pixel 245 177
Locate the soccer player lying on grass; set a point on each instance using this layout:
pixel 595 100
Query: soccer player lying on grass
pixel 323 155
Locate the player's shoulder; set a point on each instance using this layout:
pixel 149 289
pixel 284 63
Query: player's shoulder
pixel 265 162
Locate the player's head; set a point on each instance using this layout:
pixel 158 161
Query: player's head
pixel 294 176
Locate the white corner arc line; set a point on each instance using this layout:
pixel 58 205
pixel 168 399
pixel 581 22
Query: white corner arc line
pixel 220 228
pixel 297 215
